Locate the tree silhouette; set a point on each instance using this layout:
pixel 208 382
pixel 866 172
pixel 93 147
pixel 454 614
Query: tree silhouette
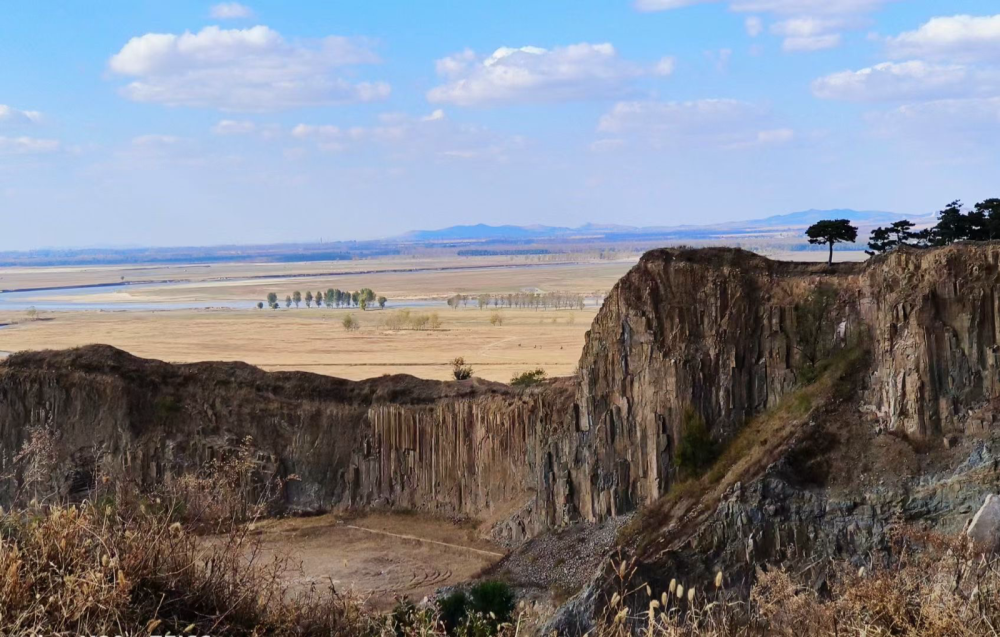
pixel 830 232
pixel 885 239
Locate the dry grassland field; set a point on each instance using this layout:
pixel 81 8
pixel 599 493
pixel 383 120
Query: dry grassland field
pixel 197 313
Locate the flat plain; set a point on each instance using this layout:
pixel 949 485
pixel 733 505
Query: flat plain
pixel 313 338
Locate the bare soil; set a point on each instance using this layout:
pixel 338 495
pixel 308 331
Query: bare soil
pixel 381 556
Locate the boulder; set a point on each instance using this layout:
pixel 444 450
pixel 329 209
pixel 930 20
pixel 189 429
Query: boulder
pixel 984 531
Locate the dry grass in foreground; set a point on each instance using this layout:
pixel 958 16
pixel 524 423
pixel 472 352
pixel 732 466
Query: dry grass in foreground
pixel 932 585
pixel 93 569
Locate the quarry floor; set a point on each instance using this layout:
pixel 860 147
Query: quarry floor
pixel 379 556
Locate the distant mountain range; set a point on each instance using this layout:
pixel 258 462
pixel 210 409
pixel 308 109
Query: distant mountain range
pixel 776 223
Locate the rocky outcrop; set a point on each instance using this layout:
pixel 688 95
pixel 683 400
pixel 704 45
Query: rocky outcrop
pixel 984 530
pixel 464 449
pixel 712 334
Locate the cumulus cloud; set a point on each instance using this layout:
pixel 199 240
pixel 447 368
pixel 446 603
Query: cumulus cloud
pixel 533 74
pixel 253 69
pixel 962 38
pixel 230 11
pixel 27 145
pixel 912 80
pixel 11 115
pixel 806 25
pixel 725 123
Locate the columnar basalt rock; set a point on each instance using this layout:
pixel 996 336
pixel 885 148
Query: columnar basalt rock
pixel 711 331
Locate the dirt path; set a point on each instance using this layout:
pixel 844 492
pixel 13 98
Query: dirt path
pixel 379 556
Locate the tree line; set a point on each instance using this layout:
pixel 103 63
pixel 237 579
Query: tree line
pixel 529 300
pixel 332 298
pixel 981 223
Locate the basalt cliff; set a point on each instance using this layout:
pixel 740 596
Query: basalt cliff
pixel 821 457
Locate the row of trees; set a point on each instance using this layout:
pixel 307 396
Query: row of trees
pixel 981 223
pixel 530 300
pixel 332 298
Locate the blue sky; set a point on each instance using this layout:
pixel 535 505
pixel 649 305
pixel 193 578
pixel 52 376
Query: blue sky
pixel 180 123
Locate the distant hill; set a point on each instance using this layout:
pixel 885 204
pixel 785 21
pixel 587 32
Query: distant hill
pixel 794 220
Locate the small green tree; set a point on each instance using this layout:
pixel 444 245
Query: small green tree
pixel 260 305
pixel 309 299
pixel 296 297
pixel 494 601
pixel 528 379
pixel 381 302
pixel 813 328
pixel 272 299
pixel 697 450
pixel 363 303
pixel 288 301
pixel 830 232
pixel 350 323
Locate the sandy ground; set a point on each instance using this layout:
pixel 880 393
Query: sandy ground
pixel 378 556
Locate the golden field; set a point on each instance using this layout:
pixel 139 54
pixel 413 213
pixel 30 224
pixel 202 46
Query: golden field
pixel 314 339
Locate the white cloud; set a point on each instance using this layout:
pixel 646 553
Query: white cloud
pixel 533 74
pixel 958 38
pixel 406 137
pixel 807 25
pixel 665 66
pixel 724 123
pixel 941 122
pixel 27 145
pixel 665 5
pixel 720 59
pixel 234 127
pixel 253 69
pixel 11 115
pixel 910 80
pixel 781 7
pixel 155 140
pixel 809 7
pixel 808 33
pixel 775 136
pixel 230 11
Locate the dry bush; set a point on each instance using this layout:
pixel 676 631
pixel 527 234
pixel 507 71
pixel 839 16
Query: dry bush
pixel 115 570
pixel 407 320
pixel 926 585
pixel 233 490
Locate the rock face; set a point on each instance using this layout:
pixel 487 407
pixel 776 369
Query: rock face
pixel 468 448
pixel 712 334
pixel 984 531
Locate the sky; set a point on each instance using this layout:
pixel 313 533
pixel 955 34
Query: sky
pixel 158 123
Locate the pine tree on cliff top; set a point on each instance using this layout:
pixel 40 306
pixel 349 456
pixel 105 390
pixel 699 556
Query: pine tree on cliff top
pixel 830 232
